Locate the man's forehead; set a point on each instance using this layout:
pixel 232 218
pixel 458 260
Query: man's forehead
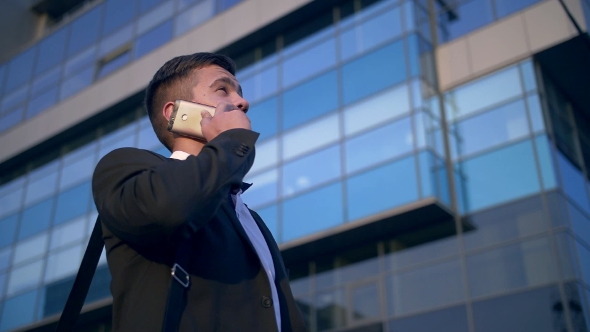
pixel 213 72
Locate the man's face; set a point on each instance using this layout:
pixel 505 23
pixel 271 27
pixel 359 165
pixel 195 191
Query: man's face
pixel 216 85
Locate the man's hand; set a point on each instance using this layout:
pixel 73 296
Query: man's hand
pixel 227 116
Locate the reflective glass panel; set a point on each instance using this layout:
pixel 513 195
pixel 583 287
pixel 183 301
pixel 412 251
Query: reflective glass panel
pixel 52 50
pixel 145 5
pixel 63 264
pixel 331 309
pixel 584 259
pixel 545 162
pixel 507 7
pixel 19 70
pixel 84 31
pixel 42 102
pixel 76 83
pixel 81 61
pixel 536 113
pixel 528 73
pixel 15 98
pixel 5 255
pixel 191 17
pixel 371 33
pixel 11 119
pixel 314 135
pixel 124 137
pixel 79 169
pixel 24 277
pixel 572 181
pixel 515 266
pixel 378 145
pixel 483 93
pixel 148 139
pixel 311 170
pixel 504 124
pixel 42 183
pixel 7 230
pixel 11 200
pixel 419 290
pixel 373 191
pixel 261 84
pixel 373 72
pixel 115 41
pixel 30 248
pixel 302 215
pixel 365 302
pixel 68 233
pixel 48 79
pixel 18 311
pixel 403 258
pixel 266 155
pixel 264 118
pixel 528 311
pixel 72 203
pixel 310 100
pixel 155 17
pixel 381 107
pixel 446 320
pixel 35 219
pixel 114 64
pixel 117 14
pixel 264 188
pixel 309 62
pixel 3 277
pixel 500 176
pixel 270 217
pixel 464 18
pixel 153 39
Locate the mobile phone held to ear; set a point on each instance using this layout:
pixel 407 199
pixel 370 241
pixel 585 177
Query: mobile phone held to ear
pixel 186 118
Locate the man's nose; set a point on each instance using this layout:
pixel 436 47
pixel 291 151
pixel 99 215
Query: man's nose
pixel 242 104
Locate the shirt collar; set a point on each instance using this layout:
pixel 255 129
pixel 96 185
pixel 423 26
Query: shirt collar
pixel 181 155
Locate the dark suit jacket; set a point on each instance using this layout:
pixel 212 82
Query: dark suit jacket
pixel 147 203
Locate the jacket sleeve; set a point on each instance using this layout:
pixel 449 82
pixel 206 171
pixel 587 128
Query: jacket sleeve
pixel 146 200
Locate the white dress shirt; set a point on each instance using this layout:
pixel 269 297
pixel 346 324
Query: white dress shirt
pixel 256 238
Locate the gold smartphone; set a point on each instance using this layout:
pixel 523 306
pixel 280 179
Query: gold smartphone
pixel 186 118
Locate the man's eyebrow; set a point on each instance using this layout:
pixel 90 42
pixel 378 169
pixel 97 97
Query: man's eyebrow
pixel 228 81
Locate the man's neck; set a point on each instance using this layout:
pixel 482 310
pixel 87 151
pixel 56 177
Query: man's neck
pixel 187 145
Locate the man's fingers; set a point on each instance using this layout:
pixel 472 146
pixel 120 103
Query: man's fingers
pixel 225 107
pixel 206 117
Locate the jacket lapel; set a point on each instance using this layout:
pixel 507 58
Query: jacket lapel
pixel 231 213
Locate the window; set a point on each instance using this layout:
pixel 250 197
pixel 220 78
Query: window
pixel 500 176
pixel 191 17
pixel 72 203
pixel 115 63
pixel 153 39
pixel 7 230
pixel 504 124
pixel 311 170
pixel 19 70
pixel 81 61
pixel 371 33
pixel 8 120
pixel 382 107
pixel 302 215
pixel 379 145
pixel 15 98
pixel 458 20
pixel 52 50
pixel 11 198
pixel 76 83
pixel 155 17
pixel 373 72
pixel 310 100
pixel 266 155
pixel 68 233
pixel 309 137
pixel 365 302
pixel 450 319
pixel 42 102
pixel 270 217
pixel 5 255
pixel 84 31
pixel 418 290
pixel 145 5
pixel 507 7
pixel 261 85
pixel 525 264
pixel 147 138
pixel 264 118
pixel 536 113
pixel 115 41
pixel 122 137
pixel 18 311
pixel 117 14
pixel 46 80
pixel 24 277
pixel 78 168
pixel 572 181
pixel 433 177
pixel 309 62
pixel 30 248
pixel 331 309
pixel 528 311
pixel 42 183
pixel 264 188
pixel 36 219
pixel 440 244
pixel 63 264
pixel 374 191
pixel 544 154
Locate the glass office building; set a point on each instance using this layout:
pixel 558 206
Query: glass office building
pixel 424 165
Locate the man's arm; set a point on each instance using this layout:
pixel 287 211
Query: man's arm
pixel 146 201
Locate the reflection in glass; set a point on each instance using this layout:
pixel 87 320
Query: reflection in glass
pixel 63 264
pixel 261 84
pixel 379 145
pixel 36 219
pixel 19 70
pixel 331 309
pixel 15 98
pixel 544 154
pixel 41 188
pixel 536 113
pixel 375 191
pixel 123 137
pixel 309 62
pixel 264 188
pixel 84 31
pixel 492 128
pixel 500 176
pixel 11 201
pixel 373 72
pixel 53 49
pixel 446 320
pixel 68 233
pixel 83 60
pixel 306 102
pixel 464 18
pixel 365 302
pixel 147 138
pixel 525 264
pixel 114 64
pixel 5 255
pixel 30 248
pixel 270 217
pixel 311 136
pixel 117 14
pixel 507 7
pixel 72 203
pixel 8 230
pixel 11 119
pixel 154 17
pixel 311 170
pixel 153 39
pixel 382 107
pixel 189 18
pixel 18 311
pixel 24 277
pixel 425 288
pixel 266 155
pixel 264 118
pixel 76 83
pixel 483 93
pixel 572 181
pixel 42 102
pixel 536 310
pixel 302 215
pixel 48 79
pixel 115 41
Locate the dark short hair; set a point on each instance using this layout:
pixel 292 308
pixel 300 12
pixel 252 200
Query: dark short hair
pixel 170 83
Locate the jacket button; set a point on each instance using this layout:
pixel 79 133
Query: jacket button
pixel 266 302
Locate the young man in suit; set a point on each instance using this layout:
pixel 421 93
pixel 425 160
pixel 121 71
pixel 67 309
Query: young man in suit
pixel 148 204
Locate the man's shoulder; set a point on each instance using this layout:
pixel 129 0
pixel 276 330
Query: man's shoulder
pixel 129 154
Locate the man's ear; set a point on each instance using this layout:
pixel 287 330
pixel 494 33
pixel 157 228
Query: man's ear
pixel 167 110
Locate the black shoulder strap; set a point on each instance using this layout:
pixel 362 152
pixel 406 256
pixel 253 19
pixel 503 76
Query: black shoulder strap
pixel 179 285
pixel 77 296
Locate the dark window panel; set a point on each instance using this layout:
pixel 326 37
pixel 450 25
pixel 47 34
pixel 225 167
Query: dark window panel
pixel 309 31
pixel 572 182
pixel 20 70
pixel 309 62
pixel 365 302
pixel 49 79
pixel 8 230
pixel 447 320
pixel 42 102
pixel 52 50
pixel 264 117
pixel 11 119
pixel 304 103
pixel 76 83
pixel 270 217
pixel 18 311
pixel 331 309
pixel 36 219
pixel 312 170
pixel 145 5
pixel 507 7
pixel 114 64
pixel 72 203
pixel 84 31
pixel 464 18
pixel 117 14
pixel 153 39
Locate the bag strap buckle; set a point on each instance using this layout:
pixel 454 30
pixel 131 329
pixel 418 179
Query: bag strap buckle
pixel 181 275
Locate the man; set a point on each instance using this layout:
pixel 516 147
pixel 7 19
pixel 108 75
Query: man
pixel 148 204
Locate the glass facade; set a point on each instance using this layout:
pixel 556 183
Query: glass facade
pixel 352 126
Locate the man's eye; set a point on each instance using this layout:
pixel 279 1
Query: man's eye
pixel 222 88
